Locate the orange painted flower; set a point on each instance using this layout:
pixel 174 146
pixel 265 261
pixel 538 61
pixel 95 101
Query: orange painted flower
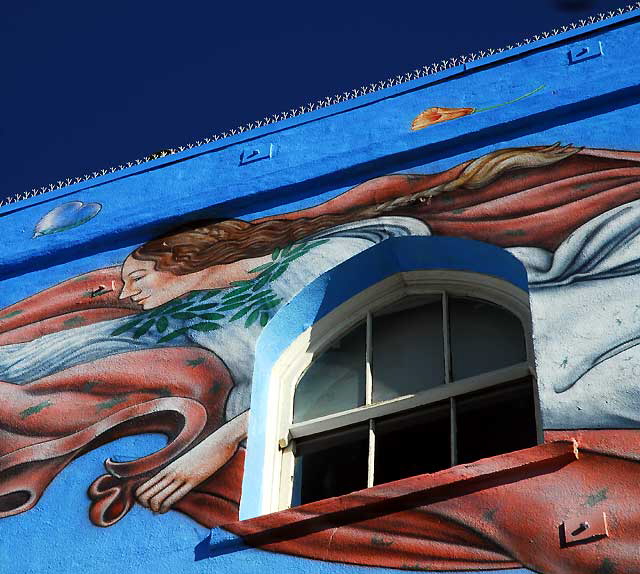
pixel 436 115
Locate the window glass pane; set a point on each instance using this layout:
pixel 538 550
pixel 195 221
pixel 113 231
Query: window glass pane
pixel 330 464
pixel 484 337
pixel 335 381
pixel 495 421
pixel 413 443
pixel 407 351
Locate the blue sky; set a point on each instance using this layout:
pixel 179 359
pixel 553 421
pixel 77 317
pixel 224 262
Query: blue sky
pixel 88 85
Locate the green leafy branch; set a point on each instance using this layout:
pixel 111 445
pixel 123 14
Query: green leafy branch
pixel 252 299
pixel 195 305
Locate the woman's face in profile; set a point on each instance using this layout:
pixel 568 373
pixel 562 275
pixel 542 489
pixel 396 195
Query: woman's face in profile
pixel 151 288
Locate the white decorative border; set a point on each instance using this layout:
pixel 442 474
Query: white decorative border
pixel 328 101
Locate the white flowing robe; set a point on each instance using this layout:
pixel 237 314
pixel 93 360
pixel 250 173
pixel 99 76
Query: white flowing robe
pixel 585 303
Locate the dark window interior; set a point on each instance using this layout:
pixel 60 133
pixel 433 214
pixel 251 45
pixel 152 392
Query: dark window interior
pixel 412 443
pixel 495 421
pixel 331 464
pixel 407 351
pixel 488 423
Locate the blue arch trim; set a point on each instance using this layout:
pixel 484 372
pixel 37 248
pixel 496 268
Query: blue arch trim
pixel 329 291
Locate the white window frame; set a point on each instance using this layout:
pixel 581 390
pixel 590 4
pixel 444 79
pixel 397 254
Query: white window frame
pixel 293 362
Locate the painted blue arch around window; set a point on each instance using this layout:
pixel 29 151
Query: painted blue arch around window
pixel 333 288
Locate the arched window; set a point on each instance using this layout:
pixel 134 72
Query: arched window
pixel 408 380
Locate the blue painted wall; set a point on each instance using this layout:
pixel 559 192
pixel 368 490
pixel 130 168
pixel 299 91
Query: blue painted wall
pixel 313 158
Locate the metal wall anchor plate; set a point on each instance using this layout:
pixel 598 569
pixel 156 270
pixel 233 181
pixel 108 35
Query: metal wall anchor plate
pixel 585 51
pixel 585 528
pixel 256 153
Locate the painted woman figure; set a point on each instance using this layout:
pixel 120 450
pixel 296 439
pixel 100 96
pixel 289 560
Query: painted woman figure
pixel 170 347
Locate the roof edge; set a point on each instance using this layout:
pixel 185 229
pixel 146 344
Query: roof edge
pixel 435 71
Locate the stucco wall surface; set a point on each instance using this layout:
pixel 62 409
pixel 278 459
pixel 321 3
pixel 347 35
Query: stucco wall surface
pixel 142 313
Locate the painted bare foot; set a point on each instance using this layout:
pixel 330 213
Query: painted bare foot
pixel 164 489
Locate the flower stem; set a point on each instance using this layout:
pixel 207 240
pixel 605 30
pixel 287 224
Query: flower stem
pixel 510 102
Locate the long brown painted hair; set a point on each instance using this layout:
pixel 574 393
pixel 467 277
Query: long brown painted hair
pixel 197 247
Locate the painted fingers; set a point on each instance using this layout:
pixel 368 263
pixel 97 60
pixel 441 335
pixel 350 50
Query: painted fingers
pixel 162 491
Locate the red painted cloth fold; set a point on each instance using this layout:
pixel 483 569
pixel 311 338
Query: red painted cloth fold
pixel 45 424
pixel 534 207
pixel 181 392
pixel 505 521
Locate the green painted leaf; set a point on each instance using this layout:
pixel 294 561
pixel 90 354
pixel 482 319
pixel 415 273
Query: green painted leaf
pixel 262 295
pixel 296 247
pixel 74 321
pixel 158 311
pixel 195 362
pixel 34 409
pixel 191 295
pixel 251 319
pixel 264 319
pixel 127 326
pixel 143 328
pixel 209 294
pixel 183 315
pixel 162 324
pixel 280 271
pixel 264 279
pixel 318 242
pixel 262 267
pixel 265 297
pixel 241 313
pixel 166 307
pixel 270 304
pixel 231 306
pixel 287 249
pixel 597 497
pixel 233 294
pixel 87 386
pixel 11 314
pixel 303 251
pixel 173 335
pixel 232 300
pixel 250 301
pixel 276 253
pixel 297 254
pixel 178 307
pixel 258 294
pixel 211 316
pixel 112 402
pixel 203 307
pixel 205 327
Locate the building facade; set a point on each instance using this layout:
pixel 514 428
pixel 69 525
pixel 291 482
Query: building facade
pixel 398 332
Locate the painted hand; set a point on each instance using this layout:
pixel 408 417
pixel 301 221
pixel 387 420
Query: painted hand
pixel 173 482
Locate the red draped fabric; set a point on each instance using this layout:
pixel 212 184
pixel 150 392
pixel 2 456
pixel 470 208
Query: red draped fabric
pixel 506 514
pixel 536 207
pixel 181 392
pixel 45 424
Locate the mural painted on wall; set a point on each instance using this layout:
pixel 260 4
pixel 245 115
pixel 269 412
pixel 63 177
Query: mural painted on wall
pixel 164 344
